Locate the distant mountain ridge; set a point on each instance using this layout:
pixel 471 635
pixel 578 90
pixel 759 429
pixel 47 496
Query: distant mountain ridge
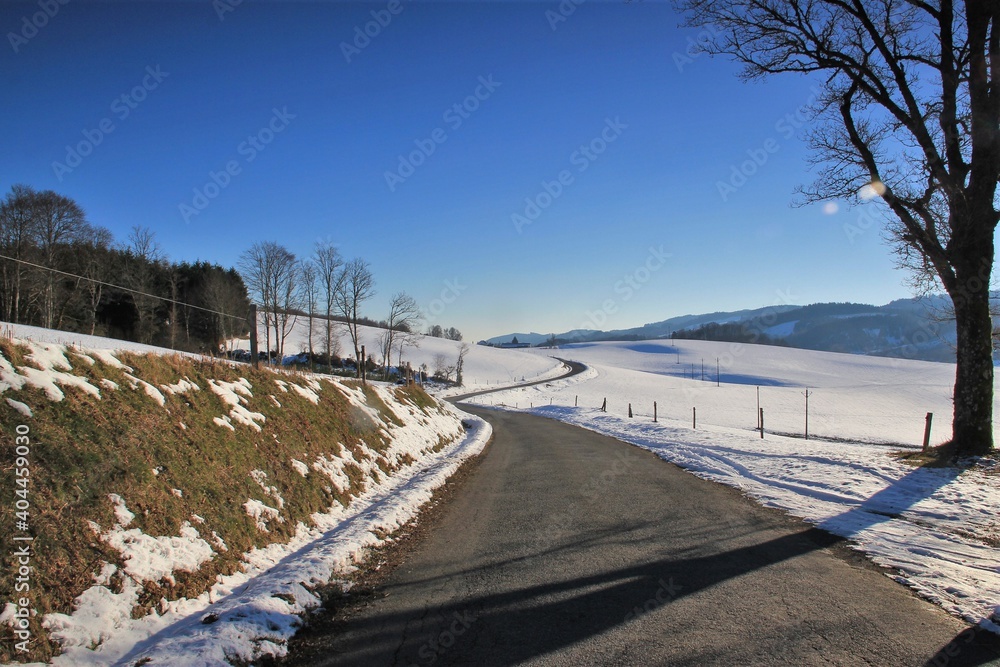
pixel 906 328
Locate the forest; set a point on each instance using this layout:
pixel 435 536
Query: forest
pixel 59 270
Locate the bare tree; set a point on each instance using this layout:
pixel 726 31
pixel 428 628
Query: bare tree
pixel 912 99
pixel 270 271
pixel 357 286
pixel 93 267
pixel 309 296
pixel 403 313
pixel 460 363
pixel 405 339
pixel 442 369
pixel 143 255
pixel 17 220
pixel 58 220
pixel 330 275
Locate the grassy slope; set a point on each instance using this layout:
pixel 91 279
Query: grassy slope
pixel 85 448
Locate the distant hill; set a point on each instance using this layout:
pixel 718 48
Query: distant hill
pixel 905 328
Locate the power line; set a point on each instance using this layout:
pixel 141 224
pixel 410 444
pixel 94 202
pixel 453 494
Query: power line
pixel 125 289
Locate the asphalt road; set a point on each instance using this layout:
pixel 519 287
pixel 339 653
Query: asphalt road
pixel 565 547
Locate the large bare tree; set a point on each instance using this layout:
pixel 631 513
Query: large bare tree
pixel 912 103
pixel 270 271
pixel 357 286
pixel 58 221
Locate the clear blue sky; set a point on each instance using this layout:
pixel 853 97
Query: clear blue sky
pixel 268 91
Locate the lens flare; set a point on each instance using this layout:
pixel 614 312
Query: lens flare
pixel 872 190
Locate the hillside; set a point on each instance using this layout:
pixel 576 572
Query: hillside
pixel 905 328
pixel 155 485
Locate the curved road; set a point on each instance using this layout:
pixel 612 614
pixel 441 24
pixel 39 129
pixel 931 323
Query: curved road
pixel 565 547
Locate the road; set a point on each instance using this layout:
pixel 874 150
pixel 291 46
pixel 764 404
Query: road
pixel 565 547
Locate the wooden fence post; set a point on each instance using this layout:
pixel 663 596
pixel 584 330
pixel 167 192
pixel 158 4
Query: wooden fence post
pixel 604 406
pixel 630 411
pixel 694 417
pixel 762 423
pixel 927 430
pixel 654 412
pixel 254 354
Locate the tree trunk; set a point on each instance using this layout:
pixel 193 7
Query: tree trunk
pixel 972 427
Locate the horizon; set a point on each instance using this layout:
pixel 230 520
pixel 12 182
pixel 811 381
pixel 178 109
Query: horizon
pixel 510 165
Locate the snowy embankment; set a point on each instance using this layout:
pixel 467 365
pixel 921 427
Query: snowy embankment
pixel 368 476
pixel 936 529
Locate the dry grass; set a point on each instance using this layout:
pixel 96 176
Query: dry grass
pixel 85 448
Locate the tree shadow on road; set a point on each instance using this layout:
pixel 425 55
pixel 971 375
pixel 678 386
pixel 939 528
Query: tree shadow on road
pixel 537 620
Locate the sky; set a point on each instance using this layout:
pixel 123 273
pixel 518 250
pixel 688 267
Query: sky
pixel 513 166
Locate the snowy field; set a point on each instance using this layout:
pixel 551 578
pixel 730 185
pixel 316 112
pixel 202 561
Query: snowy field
pixel 935 529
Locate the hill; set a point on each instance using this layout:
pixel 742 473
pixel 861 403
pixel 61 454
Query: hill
pixel 906 328
pixel 156 485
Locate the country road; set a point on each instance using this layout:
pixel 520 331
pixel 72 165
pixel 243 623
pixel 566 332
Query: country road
pixel 565 547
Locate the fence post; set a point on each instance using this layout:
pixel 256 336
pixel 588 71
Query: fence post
pixel 576 401
pixel 694 417
pixel 927 430
pixel 254 354
pixel 654 412
pixel 630 411
pixel 762 423
pixel 604 406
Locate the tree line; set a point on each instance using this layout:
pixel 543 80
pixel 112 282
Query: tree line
pixel 330 291
pixel 60 271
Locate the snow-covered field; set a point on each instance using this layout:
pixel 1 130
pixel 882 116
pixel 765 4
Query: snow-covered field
pixel 936 529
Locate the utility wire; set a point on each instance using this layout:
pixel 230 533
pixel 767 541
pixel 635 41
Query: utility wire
pixel 125 289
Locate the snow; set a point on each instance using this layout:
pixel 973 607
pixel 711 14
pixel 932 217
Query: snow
pixel 149 558
pixel 259 607
pixel 150 390
pixel 182 386
pixel 261 514
pixel 20 407
pixel 935 529
pixel 485 367
pixel 234 394
pixel 782 330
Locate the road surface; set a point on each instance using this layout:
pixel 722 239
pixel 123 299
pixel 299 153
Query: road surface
pixel 565 547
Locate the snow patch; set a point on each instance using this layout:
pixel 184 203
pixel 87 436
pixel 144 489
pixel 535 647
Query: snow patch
pixel 261 514
pixel 19 406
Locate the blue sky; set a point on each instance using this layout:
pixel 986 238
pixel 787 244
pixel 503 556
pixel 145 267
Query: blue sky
pixel 576 183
